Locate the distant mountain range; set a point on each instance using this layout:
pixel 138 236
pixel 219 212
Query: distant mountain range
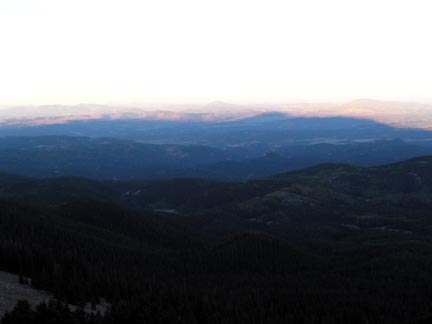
pixel 400 114
pixel 216 141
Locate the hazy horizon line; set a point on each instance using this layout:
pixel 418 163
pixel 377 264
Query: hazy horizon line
pixel 134 104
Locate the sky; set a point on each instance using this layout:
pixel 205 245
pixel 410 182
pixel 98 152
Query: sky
pixel 240 51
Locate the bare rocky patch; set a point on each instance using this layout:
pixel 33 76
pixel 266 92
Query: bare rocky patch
pixel 11 291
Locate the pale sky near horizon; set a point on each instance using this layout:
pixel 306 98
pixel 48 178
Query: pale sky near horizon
pixel 130 51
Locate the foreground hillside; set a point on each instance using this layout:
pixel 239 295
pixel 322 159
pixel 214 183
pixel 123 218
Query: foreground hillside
pixel 328 244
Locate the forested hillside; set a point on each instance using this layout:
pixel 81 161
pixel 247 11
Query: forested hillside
pixel 328 244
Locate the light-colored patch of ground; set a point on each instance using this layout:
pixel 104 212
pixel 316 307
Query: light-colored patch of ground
pixel 11 291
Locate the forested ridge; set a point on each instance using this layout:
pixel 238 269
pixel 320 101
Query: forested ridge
pixel 329 244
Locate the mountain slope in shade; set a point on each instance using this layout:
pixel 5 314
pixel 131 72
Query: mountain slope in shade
pixel 325 184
